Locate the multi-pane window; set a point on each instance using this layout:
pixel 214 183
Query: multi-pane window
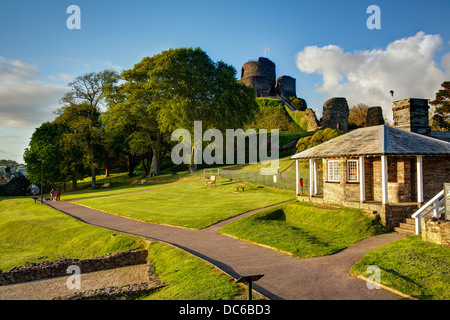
pixel 333 170
pixel 352 171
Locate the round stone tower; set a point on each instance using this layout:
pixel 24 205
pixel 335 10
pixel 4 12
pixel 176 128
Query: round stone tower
pixel 335 114
pixel 259 75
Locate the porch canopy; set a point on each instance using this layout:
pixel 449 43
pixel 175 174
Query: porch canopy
pixel 379 141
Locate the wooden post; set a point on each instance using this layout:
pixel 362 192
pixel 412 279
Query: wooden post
pixel 362 181
pixel 384 180
pixel 316 185
pixel 297 177
pixel 419 180
pixel 311 177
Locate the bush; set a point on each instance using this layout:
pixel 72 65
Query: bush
pixel 319 137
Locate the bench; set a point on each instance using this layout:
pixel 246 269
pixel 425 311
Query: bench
pixel 211 182
pixel 106 185
pixel 240 186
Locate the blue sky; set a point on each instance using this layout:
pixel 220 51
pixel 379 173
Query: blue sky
pixel 338 54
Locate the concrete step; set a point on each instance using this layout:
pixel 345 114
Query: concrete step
pixel 410 221
pixel 408 226
pixel 407 232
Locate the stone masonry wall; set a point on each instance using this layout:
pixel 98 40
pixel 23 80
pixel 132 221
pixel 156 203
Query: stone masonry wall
pixel 412 115
pixel 436 171
pixel 436 231
pixel 58 268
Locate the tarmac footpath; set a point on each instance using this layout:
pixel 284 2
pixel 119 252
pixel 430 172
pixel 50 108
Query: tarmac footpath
pixel 285 277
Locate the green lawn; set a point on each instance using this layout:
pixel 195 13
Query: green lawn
pixel 30 232
pixel 121 189
pixel 306 230
pixel 190 278
pixel 411 266
pixel 190 205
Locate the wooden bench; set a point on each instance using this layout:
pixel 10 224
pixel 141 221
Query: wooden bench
pixel 240 186
pixel 211 182
pixel 106 185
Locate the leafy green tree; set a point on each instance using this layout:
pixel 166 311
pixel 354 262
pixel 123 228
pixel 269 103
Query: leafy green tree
pixel 81 113
pixel 441 118
pixel 357 116
pixel 177 87
pixel 60 165
pixel 43 144
pixel 319 137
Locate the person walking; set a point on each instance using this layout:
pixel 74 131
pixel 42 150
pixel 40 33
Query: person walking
pixel 52 194
pixel 58 194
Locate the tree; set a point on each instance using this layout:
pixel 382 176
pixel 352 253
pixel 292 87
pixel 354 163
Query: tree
pixel 188 86
pixel 44 144
pixel 60 164
pixel 441 118
pixel 177 87
pixel 81 113
pixel 319 137
pixel 357 116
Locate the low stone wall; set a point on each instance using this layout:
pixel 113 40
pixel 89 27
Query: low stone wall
pixel 436 231
pixel 58 268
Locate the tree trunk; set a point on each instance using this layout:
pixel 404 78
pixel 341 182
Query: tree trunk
pixel 155 165
pixel 146 164
pixel 130 164
pixel 93 174
pixel 74 184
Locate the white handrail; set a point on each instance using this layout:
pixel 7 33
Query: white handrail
pixel 435 202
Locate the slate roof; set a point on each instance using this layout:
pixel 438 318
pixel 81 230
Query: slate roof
pixel 376 141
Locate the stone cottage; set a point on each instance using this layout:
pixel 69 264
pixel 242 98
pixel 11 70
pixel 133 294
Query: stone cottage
pixel 389 171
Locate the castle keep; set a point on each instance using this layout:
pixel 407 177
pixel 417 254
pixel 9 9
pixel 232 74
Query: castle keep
pixel 261 76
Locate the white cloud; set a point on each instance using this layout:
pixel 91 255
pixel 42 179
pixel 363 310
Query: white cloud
pixel 25 101
pixel 406 66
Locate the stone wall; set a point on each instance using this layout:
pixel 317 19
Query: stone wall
pixel 58 268
pixel 285 86
pixel 436 231
pixel 259 75
pixel 411 115
pixel 374 116
pixel 342 191
pixel 335 114
pixel 399 188
pixel 393 214
pixel 436 171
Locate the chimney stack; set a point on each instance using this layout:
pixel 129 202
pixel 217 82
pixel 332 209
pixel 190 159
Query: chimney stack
pixel 412 115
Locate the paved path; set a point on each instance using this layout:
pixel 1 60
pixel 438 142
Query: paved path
pixel 286 277
pixel 48 289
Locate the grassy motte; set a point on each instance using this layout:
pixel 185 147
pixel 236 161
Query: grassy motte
pixel 306 230
pixel 31 232
pixel 411 266
pixel 190 205
pixel 189 278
